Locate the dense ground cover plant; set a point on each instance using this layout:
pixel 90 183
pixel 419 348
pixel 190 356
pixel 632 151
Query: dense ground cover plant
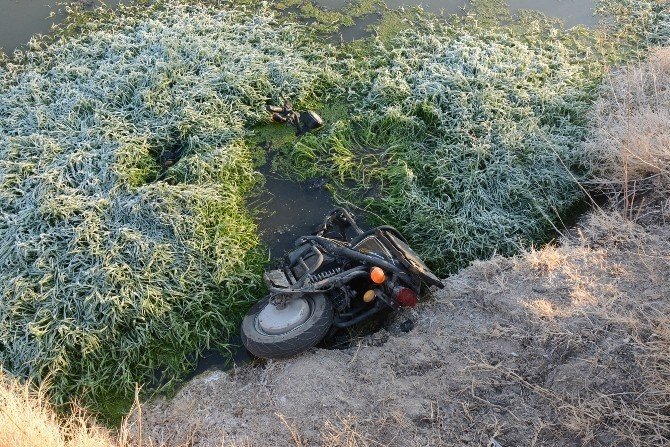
pixel 467 135
pixel 634 25
pixel 111 267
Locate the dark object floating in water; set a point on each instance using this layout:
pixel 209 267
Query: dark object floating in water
pixel 303 121
pixel 167 154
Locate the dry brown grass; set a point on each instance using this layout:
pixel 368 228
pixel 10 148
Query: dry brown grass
pixel 28 420
pixel 630 142
pixel 617 316
pixel 630 150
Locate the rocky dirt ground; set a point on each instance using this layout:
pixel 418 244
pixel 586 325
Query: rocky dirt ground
pixel 565 346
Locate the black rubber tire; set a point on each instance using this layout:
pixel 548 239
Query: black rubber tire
pixel 299 339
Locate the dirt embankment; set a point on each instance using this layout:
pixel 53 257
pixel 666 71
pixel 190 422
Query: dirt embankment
pixel 563 346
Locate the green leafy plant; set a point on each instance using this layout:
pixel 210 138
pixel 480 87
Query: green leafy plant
pixel 465 138
pixel 114 267
pixel 467 135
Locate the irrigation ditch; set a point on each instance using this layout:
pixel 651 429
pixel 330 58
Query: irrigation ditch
pixel 143 191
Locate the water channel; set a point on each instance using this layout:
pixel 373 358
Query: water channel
pixel 285 209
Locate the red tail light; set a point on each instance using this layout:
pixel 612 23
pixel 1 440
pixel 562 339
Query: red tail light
pixel 406 297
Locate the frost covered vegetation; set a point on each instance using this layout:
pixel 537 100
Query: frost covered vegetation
pixel 466 135
pixel 635 25
pixel 469 137
pixel 112 269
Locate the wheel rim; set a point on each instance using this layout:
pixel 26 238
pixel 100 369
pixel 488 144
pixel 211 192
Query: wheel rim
pixel 274 321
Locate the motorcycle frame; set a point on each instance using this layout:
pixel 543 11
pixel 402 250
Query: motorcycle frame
pixel 342 251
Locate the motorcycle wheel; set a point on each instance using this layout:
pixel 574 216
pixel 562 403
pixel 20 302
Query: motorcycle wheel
pixel 273 333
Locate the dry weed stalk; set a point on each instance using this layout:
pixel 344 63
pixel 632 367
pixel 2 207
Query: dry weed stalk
pixel 295 434
pixel 354 431
pixel 28 420
pixel 630 142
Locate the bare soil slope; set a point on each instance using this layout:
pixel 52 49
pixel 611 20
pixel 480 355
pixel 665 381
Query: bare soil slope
pixel 568 345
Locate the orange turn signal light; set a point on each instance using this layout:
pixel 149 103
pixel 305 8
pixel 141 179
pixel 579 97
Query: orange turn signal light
pixel 377 275
pixel 369 296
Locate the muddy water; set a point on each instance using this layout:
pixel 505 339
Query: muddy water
pixel 21 19
pixel 288 209
pixel 571 12
pixel 285 210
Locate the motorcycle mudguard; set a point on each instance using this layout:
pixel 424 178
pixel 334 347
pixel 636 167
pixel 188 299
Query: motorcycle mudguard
pixel 417 266
pixel 276 279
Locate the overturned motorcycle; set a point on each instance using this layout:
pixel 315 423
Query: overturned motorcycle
pixel 333 280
